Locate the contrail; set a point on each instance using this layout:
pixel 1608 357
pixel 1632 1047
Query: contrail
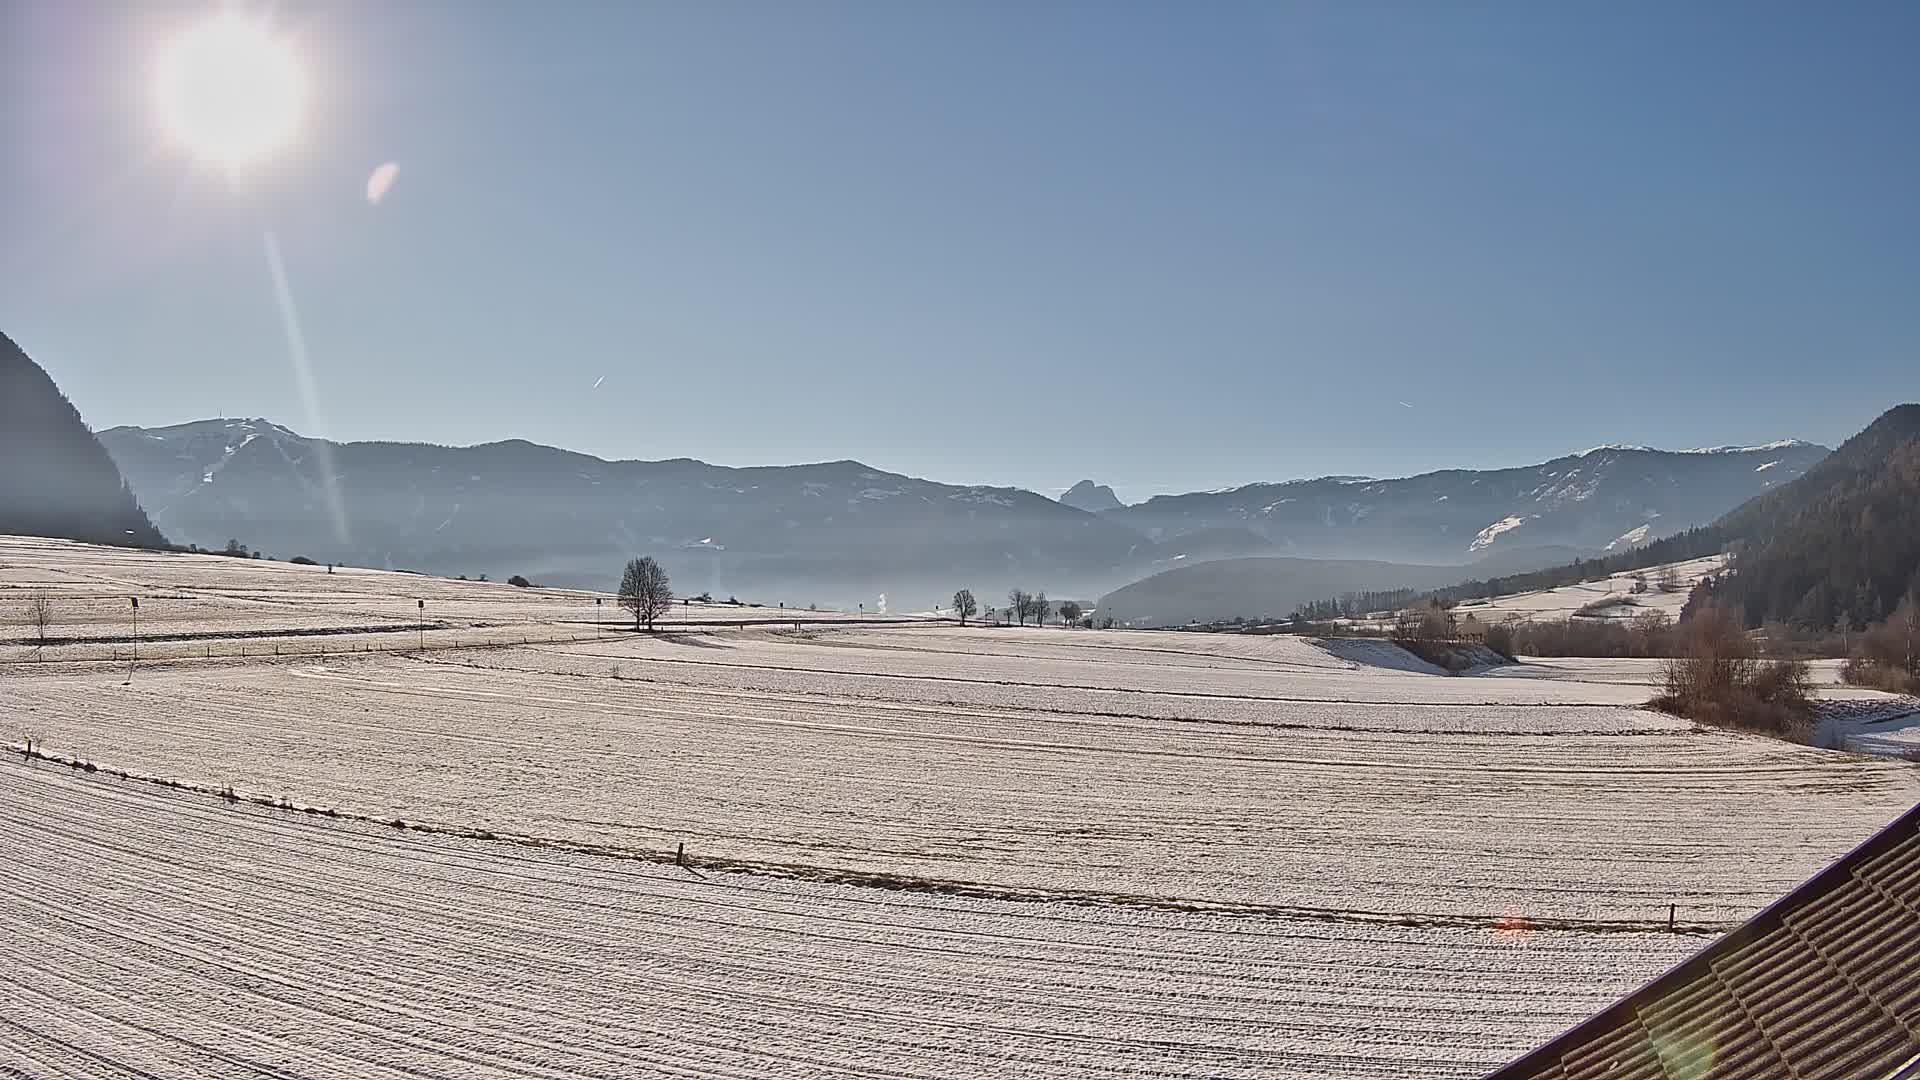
pixel 1405 405
pixel 598 381
pixel 303 378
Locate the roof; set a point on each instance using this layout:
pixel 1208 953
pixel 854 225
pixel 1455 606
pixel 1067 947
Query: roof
pixel 1824 983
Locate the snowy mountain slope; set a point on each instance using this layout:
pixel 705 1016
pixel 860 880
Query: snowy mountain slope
pixel 1606 496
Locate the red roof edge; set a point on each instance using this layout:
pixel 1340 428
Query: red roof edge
pixel 1900 830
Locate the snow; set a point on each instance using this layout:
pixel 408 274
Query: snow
pixel 1883 724
pixel 1566 601
pixel 1379 654
pixel 1764 468
pixel 1106 852
pixel 1631 538
pixel 1777 444
pixel 194 936
pixel 1492 532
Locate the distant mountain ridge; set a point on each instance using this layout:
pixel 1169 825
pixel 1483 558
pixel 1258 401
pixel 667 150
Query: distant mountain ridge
pixel 55 478
pixel 1607 497
pixel 828 532
pixel 1091 497
pixel 838 531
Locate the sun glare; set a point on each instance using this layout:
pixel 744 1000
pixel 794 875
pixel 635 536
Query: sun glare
pixel 229 91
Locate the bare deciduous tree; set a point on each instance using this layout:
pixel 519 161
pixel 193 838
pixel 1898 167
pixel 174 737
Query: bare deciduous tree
pixel 645 591
pixel 40 615
pixel 1019 605
pixel 1431 621
pixel 1070 613
pixel 964 605
pixel 1041 608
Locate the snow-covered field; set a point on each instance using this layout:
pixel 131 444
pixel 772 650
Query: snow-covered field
pixel 207 605
pixel 1568 600
pixel 156 934
pixel 917 850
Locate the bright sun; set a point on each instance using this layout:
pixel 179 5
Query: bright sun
pixel 229 91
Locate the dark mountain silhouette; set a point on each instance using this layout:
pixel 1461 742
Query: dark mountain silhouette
pixel 1091 497
pixel 55 479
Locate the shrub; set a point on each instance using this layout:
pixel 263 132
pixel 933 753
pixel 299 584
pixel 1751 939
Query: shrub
pixel 1861 671
pixel 1499 638
pixel 1440 654
pixel 519 582
pixel 1649 634
pixel 1716 679
pixel 1605 604
pixel 302 560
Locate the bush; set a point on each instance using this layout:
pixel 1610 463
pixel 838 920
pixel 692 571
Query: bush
pixel 1861 671
pixel 1441 654
pixel 1716 679
pixel 302 560
pixel 1499 638
pixel 1649 634
pixel 1606 603
pixel 519 582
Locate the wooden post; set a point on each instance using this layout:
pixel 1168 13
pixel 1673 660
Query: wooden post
pixel 680 856
pixel 1670 911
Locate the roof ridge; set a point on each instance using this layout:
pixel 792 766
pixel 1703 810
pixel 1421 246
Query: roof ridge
pixel 1544 1059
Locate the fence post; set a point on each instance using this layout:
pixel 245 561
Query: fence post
pixel 1670 911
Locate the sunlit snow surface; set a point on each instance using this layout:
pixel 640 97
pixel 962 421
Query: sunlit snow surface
pixel 917 850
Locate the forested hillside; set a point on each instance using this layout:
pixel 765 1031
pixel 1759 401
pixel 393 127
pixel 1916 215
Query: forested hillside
pixel 55 479
pixel 1840 546
pixel 1837 548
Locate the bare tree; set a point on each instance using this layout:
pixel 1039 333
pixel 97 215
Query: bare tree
pixel 40 615
pixel 1019 604
pixel 1668 579
pixel 1431 621
pixel 964 605
pixel 1041 608
pixel 645 591
pixel 1070 613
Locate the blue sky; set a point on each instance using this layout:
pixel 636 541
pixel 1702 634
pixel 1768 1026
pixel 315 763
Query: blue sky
pixel 1166 246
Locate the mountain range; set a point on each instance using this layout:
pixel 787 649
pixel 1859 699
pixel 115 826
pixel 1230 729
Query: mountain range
pixel 1607 498
pixel 837 532
pixel 834 532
